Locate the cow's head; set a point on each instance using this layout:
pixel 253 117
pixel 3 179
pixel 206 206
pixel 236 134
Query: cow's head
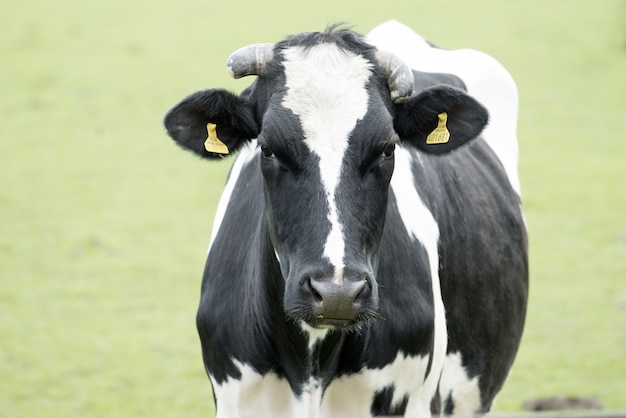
pixel 327 111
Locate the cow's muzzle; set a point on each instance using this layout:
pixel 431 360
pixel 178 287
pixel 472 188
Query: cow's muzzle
pixel 339 303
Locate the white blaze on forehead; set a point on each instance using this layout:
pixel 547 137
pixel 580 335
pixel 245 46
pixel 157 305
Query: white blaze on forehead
pixel 326 89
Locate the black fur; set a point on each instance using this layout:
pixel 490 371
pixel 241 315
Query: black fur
pixel 381 405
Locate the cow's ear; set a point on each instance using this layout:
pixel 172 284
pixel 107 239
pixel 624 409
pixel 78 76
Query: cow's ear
pixel 211 123
pixel 440 119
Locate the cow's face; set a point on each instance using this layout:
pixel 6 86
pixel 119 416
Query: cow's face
pixel 327 144
pixel 327 114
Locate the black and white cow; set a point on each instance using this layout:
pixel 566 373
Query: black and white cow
pixel 369 253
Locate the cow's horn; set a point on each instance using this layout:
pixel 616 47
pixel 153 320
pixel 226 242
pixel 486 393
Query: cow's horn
pixel 399 76
pixel 250 60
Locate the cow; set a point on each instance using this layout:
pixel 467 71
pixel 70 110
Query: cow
pixel 369 251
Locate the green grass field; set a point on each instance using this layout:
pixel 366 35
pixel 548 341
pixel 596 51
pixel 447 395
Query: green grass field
pixel 104 223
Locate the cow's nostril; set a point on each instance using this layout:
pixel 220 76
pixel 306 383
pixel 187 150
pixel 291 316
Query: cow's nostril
pixel 310 288
pixel 364 291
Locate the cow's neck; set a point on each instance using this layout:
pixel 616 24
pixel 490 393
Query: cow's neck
pixel 309 357
pixel 324 358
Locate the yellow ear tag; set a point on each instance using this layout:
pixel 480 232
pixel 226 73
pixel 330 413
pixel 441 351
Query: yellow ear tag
pixel 213 143
pixel 440 135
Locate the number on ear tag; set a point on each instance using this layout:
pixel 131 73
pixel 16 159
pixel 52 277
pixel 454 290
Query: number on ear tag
pixel 440 135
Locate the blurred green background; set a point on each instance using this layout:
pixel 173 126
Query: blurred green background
pixel 104 223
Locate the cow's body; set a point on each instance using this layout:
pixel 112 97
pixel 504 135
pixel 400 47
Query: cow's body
pixel 446 284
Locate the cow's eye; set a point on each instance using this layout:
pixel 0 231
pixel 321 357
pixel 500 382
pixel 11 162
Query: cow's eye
pixel 389 149
pixel 266 150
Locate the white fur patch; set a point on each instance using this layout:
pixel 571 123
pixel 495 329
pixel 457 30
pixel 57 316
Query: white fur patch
pixel 311 399
pixel 421 225
pixel 315 335
pixel 455 382
pixel 259 396
pixel 326 90
pixel 254 396
pixel 485 78
pixel 352 395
